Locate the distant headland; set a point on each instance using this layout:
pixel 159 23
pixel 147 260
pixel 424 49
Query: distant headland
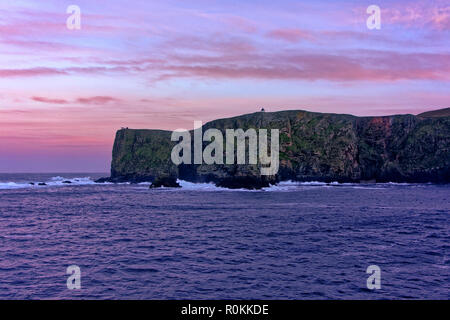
pixel 313 147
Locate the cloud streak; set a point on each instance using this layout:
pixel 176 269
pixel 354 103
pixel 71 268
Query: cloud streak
pixel 290 35
pixel 97 100
pixel 49 100
pixel 355 65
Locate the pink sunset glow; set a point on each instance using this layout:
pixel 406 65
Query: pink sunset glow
pixel 154 64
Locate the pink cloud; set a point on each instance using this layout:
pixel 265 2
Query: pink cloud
pixel 242 24
pixel 31 72
pixel 419 15
pixel 218 43
pixel 97 100
pixel 290 35
pixel 349 66
pixel 47 100
pixel 44 71
pixel 229 20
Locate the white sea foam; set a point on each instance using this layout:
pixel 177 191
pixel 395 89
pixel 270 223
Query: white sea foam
pixel 57 181
pixel 191 186
pixel 54 181
pixel 13 185
pixel 185 185
pixel 281 186
pixel 399 183
pixel 290 185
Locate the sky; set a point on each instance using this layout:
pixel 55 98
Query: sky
pixel 164 64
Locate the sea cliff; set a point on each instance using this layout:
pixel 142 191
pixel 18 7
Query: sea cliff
pixel 313 147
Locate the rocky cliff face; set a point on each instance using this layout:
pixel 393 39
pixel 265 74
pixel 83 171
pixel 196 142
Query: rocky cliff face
pixel 313 147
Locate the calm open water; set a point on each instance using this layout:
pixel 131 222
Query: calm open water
pixel 200 242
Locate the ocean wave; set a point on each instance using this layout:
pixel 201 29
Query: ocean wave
pixel 54 181
pixel 288 185
pixel 198 186
pixel 13 185
pixel 186 185
pixel 292 184
pixel 282 186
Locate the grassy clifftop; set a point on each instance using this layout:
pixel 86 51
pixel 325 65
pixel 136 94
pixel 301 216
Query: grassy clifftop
pixel 436 113
pixel 313 146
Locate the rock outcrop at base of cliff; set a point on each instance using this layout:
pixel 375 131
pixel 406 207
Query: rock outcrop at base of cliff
pixel 313 147
pixel 166 182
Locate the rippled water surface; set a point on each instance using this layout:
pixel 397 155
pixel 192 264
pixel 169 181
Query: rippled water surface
pixel 200 242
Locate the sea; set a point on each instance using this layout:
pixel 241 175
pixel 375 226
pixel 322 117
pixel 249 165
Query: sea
pixel 290 241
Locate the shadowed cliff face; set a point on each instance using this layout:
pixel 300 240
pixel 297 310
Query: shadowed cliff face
pixel 313 146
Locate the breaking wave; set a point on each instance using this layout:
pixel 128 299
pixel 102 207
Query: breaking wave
pixel 290 186
pixel 52 182
pixel 59 181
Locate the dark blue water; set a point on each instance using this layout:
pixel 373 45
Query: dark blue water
pixel 200 242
